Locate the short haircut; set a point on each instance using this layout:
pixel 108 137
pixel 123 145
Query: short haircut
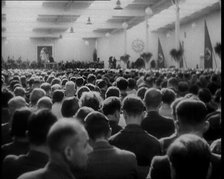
pixel 58 96
pixel 172 81
pixel 5 97
pixel 79 81
pixel 133 105
pixel 39 124
pixel 205 95
pixel 69 106
pixel 190 157
pixel 36 94
pixel 191 112
pixel 19 91
pixel 90 86
pixel 16 103
pixel 46 87
pixel 122 83
pixel 82 113
pixel 55 87
pixel 111 105
pixel 44 102
pixel 70 86
pixel 64 81
pixel 131 83
pixel 153 97
pixel 56 81
pixel 174 105
pixel 20 122
pixel 112 91
pixel 61 132
pixel 194 89
pixel 81 90
pixel 91 78
pixel 183 87
pixel 97 125
pixel 141 92
pixel 91 99
pixel 168 95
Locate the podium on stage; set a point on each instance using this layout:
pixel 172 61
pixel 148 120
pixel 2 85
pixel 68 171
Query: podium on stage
pixel 51 65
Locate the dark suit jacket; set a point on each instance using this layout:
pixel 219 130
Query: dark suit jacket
pixel 133 138
pixel 55 169
pixel 14 148
pixel 160 168
pixel 23 163
pixel 214 130
pixel 115 127
pixel 157 125
pixel 109 162
pixel 166 141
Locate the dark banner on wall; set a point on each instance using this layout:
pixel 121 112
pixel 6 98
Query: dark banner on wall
pixel 208 49
pixel 161 58
pixel 181 58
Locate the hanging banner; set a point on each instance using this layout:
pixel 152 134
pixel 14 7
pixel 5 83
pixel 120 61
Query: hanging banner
pixel 207 49
pixel 161 58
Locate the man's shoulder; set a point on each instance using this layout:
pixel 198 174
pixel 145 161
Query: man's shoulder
pixel 124 153
pixel 160 161
pixel 36 174
pixel 14 159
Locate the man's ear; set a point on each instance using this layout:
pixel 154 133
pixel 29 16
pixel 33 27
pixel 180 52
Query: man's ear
pixel 109 133
pixel 125 114
pixel 68 152
pixel 205 126
pixel 177 125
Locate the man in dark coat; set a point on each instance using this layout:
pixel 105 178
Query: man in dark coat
pixel 39 124
pixel 69 149
pixel 133 138
pixel 107 161
pixel 155 124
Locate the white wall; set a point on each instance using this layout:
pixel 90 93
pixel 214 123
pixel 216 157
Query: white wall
pixel 193 42
pixel 63 49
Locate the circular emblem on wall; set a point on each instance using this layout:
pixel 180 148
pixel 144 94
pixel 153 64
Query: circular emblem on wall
pixel 138 45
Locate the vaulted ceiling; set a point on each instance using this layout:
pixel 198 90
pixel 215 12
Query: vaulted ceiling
pixel 56 19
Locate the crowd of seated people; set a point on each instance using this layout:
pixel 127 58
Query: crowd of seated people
pixel 109 123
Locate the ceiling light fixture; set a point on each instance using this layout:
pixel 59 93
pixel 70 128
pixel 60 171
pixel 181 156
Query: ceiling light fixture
pixel 148 11
pixel 107 34
pixel 89 21
pixel 118 5
pixel 125 25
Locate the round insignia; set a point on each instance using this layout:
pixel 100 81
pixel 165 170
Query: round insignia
pixel 138 45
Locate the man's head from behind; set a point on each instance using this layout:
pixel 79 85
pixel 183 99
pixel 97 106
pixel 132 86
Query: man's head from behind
pixel 97 126
pixel 68 140
pixel 69 89
pixel 69 106
pixel 191 115
pixel 189 157
pixel 133 108
pixel 35 95
pixel 153 98
pixel 15 103
pixel 39 124
pixel 111 108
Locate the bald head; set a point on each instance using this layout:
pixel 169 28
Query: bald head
pixel 15 103
pixel 69 140
pixel 70 88
pixel 153 98
pixel 62 132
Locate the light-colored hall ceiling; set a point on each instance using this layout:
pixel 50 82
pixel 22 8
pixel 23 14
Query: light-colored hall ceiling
pixel 67 19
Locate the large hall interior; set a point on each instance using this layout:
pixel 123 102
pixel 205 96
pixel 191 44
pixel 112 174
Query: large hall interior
pixel 111 89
